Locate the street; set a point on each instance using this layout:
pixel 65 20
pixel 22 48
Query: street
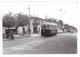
pixel 64 43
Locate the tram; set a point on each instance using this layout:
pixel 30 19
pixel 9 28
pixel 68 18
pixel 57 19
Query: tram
pixel 48 29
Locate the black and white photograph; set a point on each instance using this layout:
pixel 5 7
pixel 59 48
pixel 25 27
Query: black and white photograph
pixel 39 27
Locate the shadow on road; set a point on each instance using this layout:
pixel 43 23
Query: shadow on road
pixel 48 36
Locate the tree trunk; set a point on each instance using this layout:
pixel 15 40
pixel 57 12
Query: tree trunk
pixel 16 30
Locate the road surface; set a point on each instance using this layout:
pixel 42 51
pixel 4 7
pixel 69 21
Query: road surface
pixel 65 43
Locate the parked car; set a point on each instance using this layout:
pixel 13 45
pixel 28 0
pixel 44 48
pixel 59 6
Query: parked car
pixel 60 31
pixel 71 31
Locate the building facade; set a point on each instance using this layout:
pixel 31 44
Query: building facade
pixel 35 24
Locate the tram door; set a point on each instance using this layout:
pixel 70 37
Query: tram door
pixel 35 29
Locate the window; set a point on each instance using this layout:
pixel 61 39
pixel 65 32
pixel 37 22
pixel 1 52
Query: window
pixel 47 27
pixel 42 27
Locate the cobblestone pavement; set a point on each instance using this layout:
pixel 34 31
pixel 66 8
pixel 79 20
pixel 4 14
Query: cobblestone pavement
pixel 18 46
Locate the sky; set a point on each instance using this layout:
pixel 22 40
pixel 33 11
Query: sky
pixel 62 10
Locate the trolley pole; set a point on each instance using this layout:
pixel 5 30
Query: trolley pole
pixel 29 20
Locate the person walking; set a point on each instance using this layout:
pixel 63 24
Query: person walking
pixel 7 33
pixel 11 35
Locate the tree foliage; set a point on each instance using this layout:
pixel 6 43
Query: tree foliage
pixel 19 19
pixel 8 20
pixel 22 19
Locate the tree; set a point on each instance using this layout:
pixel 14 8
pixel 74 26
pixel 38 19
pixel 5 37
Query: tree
pixel 8 20
pixel 67 27
pixel 22 20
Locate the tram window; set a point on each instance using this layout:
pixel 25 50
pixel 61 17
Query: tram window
pixel 43 27
pixel 46 27
pixel 53 27
pixel 50 26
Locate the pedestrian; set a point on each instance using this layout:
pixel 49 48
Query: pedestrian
pixel 7 33
pixel 11 34
pixel 29 30
pixel 38 30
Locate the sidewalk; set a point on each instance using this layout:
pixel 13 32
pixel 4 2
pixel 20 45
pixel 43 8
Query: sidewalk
pixel 35 35
pixel 24 36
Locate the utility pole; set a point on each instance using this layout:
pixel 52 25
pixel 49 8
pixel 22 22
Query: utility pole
pixel 37 12
pixel 29 20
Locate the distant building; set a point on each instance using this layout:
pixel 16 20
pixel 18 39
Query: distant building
pixel 73 29
pixel 58 22
pixel 68 28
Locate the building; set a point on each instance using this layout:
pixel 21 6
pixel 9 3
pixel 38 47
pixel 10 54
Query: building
pixel 58 22
pixel 68 28
pixel 35 24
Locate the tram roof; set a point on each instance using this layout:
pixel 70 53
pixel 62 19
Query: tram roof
pixel 48 23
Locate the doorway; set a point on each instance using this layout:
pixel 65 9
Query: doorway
pixel 35 29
